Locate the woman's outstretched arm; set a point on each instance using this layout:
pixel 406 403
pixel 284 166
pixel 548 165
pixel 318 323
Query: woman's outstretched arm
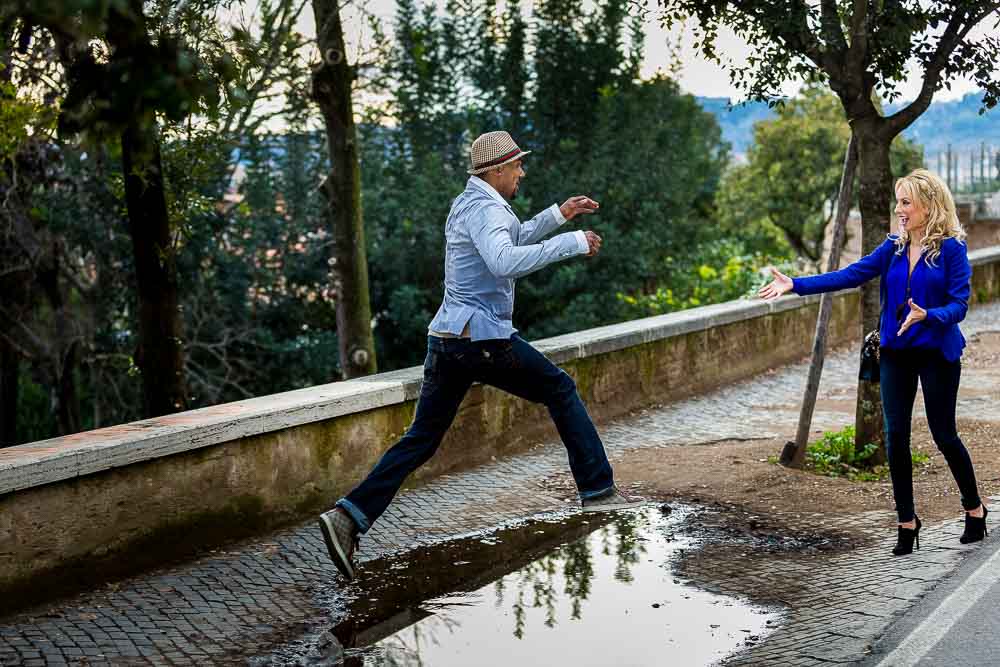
pixel 858 273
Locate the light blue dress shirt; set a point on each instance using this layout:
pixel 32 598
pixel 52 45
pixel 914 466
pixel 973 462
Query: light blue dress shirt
pixel 487 249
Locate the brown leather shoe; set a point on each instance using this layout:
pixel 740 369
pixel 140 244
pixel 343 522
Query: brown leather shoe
pixel 341 536
pixel 616 500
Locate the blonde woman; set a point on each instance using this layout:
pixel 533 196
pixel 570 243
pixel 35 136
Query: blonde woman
pixel 925 294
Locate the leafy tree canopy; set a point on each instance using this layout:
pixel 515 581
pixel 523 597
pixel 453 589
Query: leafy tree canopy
pixel 855 46
pixel 792 175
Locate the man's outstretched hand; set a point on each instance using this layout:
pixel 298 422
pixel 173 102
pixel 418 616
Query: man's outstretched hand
pixel 594 241
pixel 575 206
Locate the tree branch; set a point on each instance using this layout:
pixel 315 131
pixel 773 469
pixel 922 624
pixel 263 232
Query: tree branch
pixel 15 268
pixel 798 35
pixel 32 339
pixel 803 37
pixel 71 275
pixel 858 51
pixel 833 33
pixel 953 35
pixel 285 20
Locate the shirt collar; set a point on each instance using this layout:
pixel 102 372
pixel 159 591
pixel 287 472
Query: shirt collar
pixel 488 189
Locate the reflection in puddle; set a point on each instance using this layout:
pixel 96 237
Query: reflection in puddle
pixel 606 598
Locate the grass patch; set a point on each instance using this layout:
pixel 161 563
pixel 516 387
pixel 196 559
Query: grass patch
pixel 834 455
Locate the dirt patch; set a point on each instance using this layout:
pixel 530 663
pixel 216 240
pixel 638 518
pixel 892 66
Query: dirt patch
pixel 983 350
pixel 739 474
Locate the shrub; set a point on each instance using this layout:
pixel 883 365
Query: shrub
pixel 835 455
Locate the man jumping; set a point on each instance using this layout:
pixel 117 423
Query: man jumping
pixel 471 339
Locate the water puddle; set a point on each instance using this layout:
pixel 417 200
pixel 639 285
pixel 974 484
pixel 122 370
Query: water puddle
pixel 575 590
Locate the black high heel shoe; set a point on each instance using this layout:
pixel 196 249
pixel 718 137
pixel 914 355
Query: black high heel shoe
pixel 905 538
pixel 975 527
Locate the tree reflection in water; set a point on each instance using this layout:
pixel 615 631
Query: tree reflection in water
pixel 576 562
pixel 403 648
pixel 608 579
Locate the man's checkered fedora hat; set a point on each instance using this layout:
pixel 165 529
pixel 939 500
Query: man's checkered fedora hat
pixel 492 150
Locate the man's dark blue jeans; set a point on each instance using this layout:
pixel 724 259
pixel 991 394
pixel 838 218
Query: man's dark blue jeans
pixel 451 366
pixel 899 371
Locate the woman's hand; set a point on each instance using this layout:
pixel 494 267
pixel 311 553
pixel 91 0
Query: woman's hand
pixel 916 315
pixel 776 287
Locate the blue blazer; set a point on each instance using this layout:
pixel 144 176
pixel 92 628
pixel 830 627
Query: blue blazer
pixel 942 290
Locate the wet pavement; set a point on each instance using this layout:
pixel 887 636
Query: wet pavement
pixel 271 600
pixel 572 589
pixel 838 600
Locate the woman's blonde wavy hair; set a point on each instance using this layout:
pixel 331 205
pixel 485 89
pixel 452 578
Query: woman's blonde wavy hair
pixel 934 196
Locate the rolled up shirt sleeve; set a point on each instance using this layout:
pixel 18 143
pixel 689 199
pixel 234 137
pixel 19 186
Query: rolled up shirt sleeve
pixel 489 228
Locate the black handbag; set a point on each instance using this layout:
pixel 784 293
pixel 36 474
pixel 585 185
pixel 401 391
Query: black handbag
pixel 869 370
pixel 869 357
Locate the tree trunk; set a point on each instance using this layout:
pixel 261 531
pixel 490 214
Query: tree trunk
pixel 159 353
pixel 69 398
pixel 160 350
pixel 332 81
pixel 875 197
pixel 64 357
pixel 10 367
pixel 10 359
pixel 794 454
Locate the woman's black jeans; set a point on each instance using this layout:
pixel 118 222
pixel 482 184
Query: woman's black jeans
pixel 899 370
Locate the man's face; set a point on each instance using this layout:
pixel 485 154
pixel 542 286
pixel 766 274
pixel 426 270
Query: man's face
pixel 509 178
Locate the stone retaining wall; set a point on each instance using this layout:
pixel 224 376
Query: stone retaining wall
pixel 107 502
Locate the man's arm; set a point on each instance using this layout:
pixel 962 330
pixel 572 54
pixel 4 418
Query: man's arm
pixel 540 226
pixel 489 228
pixel 550 219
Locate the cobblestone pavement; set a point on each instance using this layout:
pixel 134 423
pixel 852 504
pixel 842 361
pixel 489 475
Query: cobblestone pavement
pixel 246 600
pixel 836 605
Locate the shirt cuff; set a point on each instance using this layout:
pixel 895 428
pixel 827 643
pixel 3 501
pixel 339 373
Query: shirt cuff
pixel 557 214
pixel 581 241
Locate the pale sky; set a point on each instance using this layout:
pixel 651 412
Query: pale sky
pixel 698 76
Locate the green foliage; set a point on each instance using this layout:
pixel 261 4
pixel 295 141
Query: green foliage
pixel 579 58
pixel 258 311
pixel 151 65
pixel 34 409
pixel 19 118
pixel 411 172
pixel 809 42
pixel 790 183
pixel 713 273
pixel 251 249
pixel 654 166
pixel 835 455
pixel 405 209
pixel 86 214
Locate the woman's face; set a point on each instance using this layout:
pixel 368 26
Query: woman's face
pixel 912 216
